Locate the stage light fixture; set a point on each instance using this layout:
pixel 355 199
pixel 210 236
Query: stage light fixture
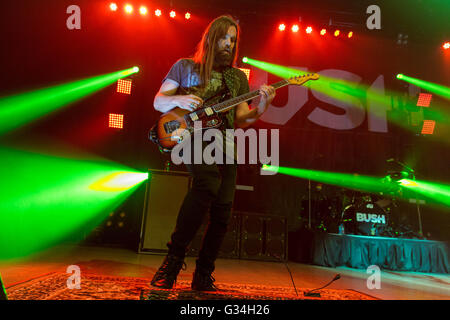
pixel 309 29
pixel 158 13
pixel 446 45
pixel 336 33
pixel 173 14
pixel 323 32
pixel 113 6
pixel 350 34
pixel 116 120
pixel 247 72
pixel 124 86
pixel 245 59
pixel 143 10
pixel 428 126
pixel 424 100
pixel 128 8
pixel 399 76
pixel 187 16
pixel 282 27
pixel 295 28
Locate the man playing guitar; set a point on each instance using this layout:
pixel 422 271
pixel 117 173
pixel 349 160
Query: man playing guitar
pixel 188 84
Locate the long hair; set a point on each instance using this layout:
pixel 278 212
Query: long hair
pixel 206 49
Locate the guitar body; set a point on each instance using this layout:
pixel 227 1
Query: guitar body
pixel 172 125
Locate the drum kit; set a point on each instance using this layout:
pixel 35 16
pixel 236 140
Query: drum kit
pixel 352 212
pixel 348 211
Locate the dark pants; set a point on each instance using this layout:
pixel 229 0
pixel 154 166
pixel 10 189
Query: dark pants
pixel 212 189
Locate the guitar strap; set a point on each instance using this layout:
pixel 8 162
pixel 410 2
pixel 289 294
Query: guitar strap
pixel 229 80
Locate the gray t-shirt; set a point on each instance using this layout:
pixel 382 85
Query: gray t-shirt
pixel 186 73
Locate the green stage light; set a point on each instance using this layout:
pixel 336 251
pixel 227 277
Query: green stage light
pixel 429 86
pixel 45 199
pixel 434 191
pixel 135 69
pixel 245 59
pixel 351 181
pixel 118 181
pixel 20 109
pixel 438 193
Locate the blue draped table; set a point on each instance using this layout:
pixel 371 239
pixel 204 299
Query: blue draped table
pixel 333 250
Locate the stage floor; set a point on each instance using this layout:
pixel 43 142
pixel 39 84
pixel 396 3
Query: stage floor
pixel 122 262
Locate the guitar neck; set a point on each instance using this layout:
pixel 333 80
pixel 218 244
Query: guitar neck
pixel 227 105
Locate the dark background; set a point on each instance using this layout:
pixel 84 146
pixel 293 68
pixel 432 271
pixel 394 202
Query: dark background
pixel 39 51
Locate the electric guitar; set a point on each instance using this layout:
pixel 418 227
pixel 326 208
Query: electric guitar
pixel 172 125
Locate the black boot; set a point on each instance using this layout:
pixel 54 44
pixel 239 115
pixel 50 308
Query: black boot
pixel 202 280
pixel 167 274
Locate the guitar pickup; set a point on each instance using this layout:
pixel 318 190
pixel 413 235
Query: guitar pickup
pixel 193 116
pixel 171 126
pixel 209 111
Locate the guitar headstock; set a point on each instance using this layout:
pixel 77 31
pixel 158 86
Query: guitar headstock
pixel 299 80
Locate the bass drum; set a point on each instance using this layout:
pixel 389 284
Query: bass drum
pixel 364 218
pixel 370 219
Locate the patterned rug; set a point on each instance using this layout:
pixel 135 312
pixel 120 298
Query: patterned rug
pixel 53 286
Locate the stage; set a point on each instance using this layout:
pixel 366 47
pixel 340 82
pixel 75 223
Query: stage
pixel 112 262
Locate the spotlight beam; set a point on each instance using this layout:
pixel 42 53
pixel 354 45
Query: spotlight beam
pixel 351 181
pixel 20 109
pixel 41 207
pixel 438 89
pixel 439 193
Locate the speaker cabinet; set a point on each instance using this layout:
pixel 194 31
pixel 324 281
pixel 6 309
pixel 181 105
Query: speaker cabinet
pixel 164 195
pixel 263 237
pixel 252 233
pixel 230 245
pixel 276 238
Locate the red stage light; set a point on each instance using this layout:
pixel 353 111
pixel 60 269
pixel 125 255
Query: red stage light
pixel 323 31
pixel 424 100
pixel 350 34
pixel 128 8
pixel 172 14
pixel 124 86
pixel 309 30
pixel 116 120
pixel 143 10
pixel 282 27
pixel 446 45
pixel 158 13
pixel 336 33
pixel 113 6
pixel 428 126
pixel 295 28
pixel 247 72
pixel 187 16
